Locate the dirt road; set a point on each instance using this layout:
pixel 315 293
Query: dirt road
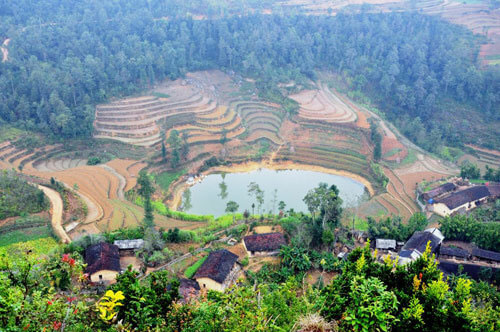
pixel 57 210
pixel 5 51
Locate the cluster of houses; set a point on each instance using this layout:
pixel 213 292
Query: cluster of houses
pixel 452 259
pixel 220 270
pixel 458 196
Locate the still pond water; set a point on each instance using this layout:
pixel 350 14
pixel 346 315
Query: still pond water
pixel 290 186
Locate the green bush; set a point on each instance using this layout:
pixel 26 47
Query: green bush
pixel 93 161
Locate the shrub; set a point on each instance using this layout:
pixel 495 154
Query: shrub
pixel 93 161
pixel 244 261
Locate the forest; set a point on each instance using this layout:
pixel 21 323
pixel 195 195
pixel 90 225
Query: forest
pixel 83 53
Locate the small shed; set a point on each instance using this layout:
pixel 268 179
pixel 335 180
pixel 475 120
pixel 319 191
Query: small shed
pixel 103 262
pixel 266 244
pixel 128 247
pixel 486 255
pixel 219 271
pixel 385 244
pixel 474 270
pixel 454 253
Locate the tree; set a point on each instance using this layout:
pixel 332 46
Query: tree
pixel 232 207
pixel 145 190
pixel 376 138
pixel 175 159
pixel 327 202
pixel 469 171
pixel 254 190
pixel 331 207
pixel 163 152
pixel 281 206
pixel 223 139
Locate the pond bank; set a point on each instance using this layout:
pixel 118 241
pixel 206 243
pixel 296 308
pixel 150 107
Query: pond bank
pixel 180 186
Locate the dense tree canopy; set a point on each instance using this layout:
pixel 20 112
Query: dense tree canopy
pixel 85 52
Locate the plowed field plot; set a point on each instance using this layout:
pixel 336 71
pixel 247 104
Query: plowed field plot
pixel 323 105
pixel 101 189
pixel 134 120
pixel 393 150
pixel 129 169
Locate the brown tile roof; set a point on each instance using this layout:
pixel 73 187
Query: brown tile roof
pixel 102 256
pixel 444 188
pixel 494 189
pixel 188 288
pixel 217 266
pixel 264 242
pixel 465 196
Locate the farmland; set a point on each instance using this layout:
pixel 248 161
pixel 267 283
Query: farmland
pixel 218 117
pixel 329 131
pixel 99 188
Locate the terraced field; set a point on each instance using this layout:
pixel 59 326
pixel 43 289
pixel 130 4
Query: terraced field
pixel 136 120
pixel 211 126
pixel 100 187
pixel 261 120
pixel 482 157
pixel 323 105
pixel 326 157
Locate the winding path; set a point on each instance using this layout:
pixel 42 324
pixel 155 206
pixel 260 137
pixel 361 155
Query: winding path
pixel 121 180
pixel 57 210
pixel 5 51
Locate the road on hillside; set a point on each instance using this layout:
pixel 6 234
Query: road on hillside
pixel 57 210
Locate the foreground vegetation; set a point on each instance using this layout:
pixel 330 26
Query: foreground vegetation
pixel 366 296
pixel 42 286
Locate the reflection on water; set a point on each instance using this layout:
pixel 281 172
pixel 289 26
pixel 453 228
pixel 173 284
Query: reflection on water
pixel 186 200
pixel 266 190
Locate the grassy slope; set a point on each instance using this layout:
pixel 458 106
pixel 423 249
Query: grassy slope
pixel 24 235
pixel 165 179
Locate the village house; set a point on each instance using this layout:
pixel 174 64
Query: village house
pixel 417 244
pixel 438 191
pixel 266 244
pixel 128 247
pixel 463 200
pixel 219 271
pixel 103 262
pixel 385 244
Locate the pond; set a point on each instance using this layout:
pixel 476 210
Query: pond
pixel 211 195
